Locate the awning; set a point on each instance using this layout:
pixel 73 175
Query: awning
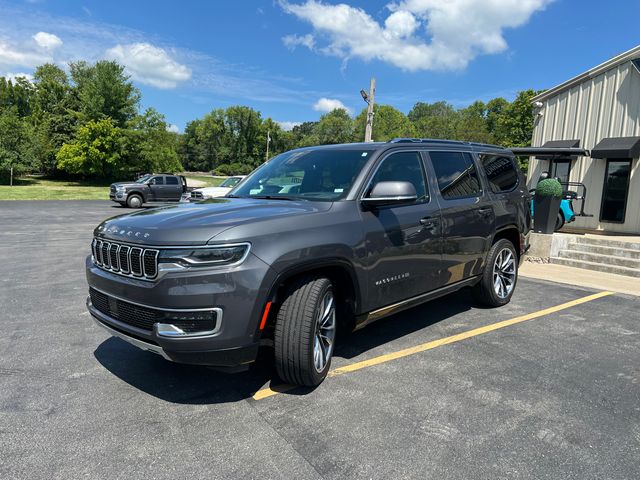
pixel 559 145
pixel 617 147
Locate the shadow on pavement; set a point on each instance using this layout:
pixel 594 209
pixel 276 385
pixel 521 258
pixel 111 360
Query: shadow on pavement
pixel 187 384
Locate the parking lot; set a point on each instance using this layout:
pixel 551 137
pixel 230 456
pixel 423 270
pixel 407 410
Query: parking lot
pixel 553 393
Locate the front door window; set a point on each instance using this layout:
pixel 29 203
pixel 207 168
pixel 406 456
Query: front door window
pixel 616 190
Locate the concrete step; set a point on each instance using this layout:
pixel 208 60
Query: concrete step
pixel 606 259
pixel 598 267
pixel 607 242
pixel 602 250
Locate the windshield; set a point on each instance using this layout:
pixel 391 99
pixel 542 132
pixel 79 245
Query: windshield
pixel 230 182
pixel 143 179
pixel 324 174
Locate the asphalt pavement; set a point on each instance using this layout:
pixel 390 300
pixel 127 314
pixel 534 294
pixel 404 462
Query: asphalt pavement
pixel 556 396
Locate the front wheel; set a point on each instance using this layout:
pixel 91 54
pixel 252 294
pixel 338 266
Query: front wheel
pixel 134 201
pixel 499 277
pixel 305 332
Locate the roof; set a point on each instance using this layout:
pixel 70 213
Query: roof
pixel 619 147
pixel 627 56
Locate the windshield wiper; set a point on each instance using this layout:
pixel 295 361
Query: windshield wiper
pixel 272 197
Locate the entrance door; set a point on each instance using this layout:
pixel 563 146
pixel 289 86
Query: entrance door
pixel 561 169
pixel 615 190
pixel 403 242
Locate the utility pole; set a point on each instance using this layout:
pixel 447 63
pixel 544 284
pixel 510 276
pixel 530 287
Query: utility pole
pixel 266 157
pixel 370 98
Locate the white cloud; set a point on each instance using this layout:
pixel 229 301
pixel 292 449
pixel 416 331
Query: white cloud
pixel 48 41
pixel 417 34
pixel 12 76
pixel 288 126
pixel 293 41
pixel 173 128
pixel 326 105
pixel 20 56
pixel 149 64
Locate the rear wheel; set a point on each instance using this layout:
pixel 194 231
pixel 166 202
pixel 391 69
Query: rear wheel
pixel 305 332
pixel 559 221
pixel 134 201
pixel 499 277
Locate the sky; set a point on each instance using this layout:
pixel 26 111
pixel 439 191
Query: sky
pixel 294 60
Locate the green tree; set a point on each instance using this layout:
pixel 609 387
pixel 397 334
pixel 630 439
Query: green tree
pixel 103 90
pixel 434 120
pixel 98 150
pixel 16 95
pixel 471 124
pixel 53 117
pixel 334 127
pixel 388 123
pixel 151 148
pixel 15 144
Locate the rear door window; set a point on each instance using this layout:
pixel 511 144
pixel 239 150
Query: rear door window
pixel 456 174
pixel 501 172
pixel 171 180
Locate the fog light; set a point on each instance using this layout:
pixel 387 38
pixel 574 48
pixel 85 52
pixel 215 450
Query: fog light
pixel 195 323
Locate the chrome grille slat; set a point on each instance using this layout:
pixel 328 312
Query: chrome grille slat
pixel 125 260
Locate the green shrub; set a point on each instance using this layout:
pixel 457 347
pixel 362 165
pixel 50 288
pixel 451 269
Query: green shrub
pixel 549 187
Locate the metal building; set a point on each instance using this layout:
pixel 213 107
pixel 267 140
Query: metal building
pixel 598 110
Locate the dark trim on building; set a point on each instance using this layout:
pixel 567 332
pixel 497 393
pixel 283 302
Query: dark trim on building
pixel 617 147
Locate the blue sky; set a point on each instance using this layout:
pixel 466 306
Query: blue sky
pixel 295 59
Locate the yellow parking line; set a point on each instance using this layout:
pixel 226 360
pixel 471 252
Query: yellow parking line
pixel 269 392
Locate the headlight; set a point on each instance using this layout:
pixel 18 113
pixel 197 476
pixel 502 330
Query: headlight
pixel 205 257
pixel 120 188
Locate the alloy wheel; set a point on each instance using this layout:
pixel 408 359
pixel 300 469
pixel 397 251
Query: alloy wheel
pixel 325 332
pixel 504 273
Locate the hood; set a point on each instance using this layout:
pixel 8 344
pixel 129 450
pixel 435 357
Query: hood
pixel 197 223
pixel 126 184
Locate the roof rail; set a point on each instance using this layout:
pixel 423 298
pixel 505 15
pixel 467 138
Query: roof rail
pixel 442 141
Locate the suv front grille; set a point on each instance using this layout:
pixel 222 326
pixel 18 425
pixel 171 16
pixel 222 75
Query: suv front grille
pixel 145 317
pixel 125 260
pixel 197 195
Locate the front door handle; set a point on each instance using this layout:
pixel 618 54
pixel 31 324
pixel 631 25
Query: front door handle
pixel 485 211
pixel 429 222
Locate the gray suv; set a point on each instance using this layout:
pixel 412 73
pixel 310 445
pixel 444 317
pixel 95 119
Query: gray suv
pixel 317 241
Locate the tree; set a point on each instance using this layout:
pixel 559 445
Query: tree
pixel 15 144
pixel 334 127
pixel 98 149
pixel 151 148
pixel 471 124
pixel 434 120
pixel 53 116
pixel 16 95
pixel 104 91
pixel 388 123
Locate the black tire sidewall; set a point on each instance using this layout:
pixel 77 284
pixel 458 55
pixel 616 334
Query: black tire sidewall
pixel 135 195
pixel 487 291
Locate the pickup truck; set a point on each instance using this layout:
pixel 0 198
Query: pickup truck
pixel 149 188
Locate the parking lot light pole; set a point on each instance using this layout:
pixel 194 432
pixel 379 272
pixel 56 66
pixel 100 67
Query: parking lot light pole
pixel 370 99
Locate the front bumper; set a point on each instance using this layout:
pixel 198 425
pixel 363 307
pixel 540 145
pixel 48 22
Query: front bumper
pixel 239 291
pixel 118 197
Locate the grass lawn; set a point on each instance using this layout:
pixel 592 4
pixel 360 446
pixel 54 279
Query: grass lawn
pixel 40 188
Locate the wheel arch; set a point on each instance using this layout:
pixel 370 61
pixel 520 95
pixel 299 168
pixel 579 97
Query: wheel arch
pixel 339 271
pixel 512 234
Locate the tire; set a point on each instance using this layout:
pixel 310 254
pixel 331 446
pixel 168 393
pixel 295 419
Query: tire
pixel 307 316
pixel 500 267
pixel 134 201
pixel 559 221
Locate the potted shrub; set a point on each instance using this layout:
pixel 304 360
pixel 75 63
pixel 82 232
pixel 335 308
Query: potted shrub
pixel 546 204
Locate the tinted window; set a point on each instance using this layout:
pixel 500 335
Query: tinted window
pixel 403 167
pixel 616 190
pixel 157 181
pixel 457 176
pixel 316 174
pixel 171 180
pixel 501 172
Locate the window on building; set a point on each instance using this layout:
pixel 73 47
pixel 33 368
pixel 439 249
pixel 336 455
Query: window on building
pixel 616 190
pixel 561 169
pixel 171 180
pixel 403 167
pixel 501 172
pixel 457 175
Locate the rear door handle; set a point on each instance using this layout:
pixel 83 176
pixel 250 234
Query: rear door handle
pixel 485 211
pixel 429 222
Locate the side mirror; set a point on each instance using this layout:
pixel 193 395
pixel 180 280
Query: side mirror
pixel 391 193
